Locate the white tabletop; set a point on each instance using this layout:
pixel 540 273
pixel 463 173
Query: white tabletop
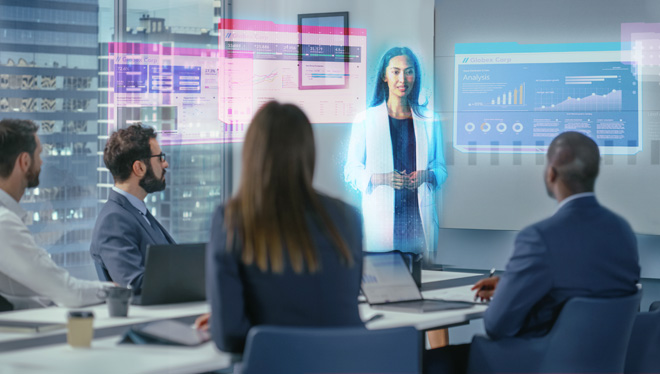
pixel 435 276
pixel 105 356
pixel 136 314
pixel 428 321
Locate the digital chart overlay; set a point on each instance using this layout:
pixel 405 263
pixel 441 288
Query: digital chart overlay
pixel 519 99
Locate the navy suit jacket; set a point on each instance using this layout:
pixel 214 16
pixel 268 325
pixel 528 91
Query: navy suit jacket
pixel 243 296
pixel 584 250
pixel 120 239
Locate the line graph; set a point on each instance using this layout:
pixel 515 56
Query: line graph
pixel 578 100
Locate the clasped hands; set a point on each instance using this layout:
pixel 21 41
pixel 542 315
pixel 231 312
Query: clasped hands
pixel 401 179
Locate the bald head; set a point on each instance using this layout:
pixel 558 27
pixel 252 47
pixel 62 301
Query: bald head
pixel 575 159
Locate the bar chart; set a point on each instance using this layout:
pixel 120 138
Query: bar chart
pixel 511 97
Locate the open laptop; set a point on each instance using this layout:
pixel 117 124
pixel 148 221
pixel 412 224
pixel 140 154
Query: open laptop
pixel 173 273
pixel 388 285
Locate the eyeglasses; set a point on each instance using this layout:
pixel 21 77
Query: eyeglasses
pixel 161 156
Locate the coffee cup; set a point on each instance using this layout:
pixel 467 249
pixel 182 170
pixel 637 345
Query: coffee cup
pixel 117 299
pixel 80 328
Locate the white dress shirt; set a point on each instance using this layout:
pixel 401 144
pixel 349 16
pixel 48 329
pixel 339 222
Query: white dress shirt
pixel 137 203
pixel 28 276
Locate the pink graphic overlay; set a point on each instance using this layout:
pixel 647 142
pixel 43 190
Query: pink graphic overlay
pixel 173 89
pixel 321 69
pixel 644 51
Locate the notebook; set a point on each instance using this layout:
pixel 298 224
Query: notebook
pixel 26 326
pixel 388 285
pixel 173 273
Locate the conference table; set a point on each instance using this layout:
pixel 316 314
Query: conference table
pixel 28 353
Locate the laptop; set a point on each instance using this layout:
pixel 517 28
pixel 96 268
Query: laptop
pixel 173 273
pixel 388 285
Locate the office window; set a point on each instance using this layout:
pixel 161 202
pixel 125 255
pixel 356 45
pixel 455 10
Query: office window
pixel 54 71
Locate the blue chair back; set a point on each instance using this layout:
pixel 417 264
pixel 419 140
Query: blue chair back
pixel 298 350
pixel 644 347
pixel 102 272
pixel 591 335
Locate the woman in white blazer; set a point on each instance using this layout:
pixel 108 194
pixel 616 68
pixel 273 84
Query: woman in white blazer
pixel 395 159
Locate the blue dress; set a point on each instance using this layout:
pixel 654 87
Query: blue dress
pixel 408 229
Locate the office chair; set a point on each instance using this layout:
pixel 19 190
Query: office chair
pixel 590 335
pixel 102 272
pixel 5 305
pixel 644 347
pixel 298 350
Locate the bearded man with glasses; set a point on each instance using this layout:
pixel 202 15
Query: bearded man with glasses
pixel 125 227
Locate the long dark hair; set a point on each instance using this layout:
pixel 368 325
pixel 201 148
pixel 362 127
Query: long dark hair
pixel 382 92
pixel 268 211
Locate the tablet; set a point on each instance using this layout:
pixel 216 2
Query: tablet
pixel 173 332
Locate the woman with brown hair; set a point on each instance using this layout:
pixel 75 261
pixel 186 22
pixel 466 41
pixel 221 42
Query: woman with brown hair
pixel 281 253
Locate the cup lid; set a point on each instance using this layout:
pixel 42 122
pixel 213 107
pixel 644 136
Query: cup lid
pixel 81 313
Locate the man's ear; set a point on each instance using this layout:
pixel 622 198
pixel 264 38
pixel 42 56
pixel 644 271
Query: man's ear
pixel 23 162
pixel 139 168
pixel 552 174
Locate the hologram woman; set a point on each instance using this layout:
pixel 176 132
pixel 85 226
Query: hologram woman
pixel 395 160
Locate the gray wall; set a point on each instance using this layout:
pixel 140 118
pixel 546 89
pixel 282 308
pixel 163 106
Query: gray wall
pixel 628 186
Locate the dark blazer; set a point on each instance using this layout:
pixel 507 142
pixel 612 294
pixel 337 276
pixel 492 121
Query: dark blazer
pixel 242 296
pixel 584 249
pixel 120 239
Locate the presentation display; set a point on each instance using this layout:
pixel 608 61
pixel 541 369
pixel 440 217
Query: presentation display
pixel 513 98
pixel 311 67
pixel 172 89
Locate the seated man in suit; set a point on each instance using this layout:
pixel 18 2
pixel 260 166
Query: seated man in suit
pixel 28 276
pixel 583 250
pixel 125 226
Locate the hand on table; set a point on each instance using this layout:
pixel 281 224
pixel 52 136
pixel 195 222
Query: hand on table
pixel 202 322
pixel 485 288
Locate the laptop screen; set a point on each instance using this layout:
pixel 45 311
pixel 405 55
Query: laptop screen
pixel 174 273
pixel 385 279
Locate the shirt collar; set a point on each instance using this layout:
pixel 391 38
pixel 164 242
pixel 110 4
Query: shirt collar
pixel 574 197
pixel 137 203
pixel 12 205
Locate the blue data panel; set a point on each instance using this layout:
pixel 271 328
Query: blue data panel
pixel 130 78
pixel 520 99
pixel 187 79
pixel 160 78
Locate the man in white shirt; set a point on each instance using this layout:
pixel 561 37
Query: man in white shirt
pixel 28 276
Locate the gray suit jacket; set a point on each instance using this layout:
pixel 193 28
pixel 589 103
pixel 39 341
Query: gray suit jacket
pixel 119 242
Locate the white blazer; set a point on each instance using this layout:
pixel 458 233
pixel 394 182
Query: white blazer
pixel 369 152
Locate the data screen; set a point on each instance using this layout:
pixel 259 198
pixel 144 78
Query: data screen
pixel 519 99
pixel 320 69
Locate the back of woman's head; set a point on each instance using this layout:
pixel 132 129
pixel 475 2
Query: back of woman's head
pixel 269 211
pixel 278 153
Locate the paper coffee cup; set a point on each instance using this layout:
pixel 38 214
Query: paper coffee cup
pixel 80 329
